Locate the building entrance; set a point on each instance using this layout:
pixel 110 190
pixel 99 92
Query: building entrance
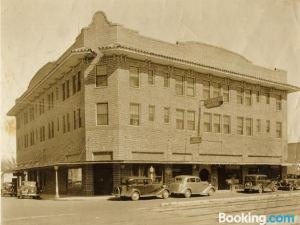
pixel 103 183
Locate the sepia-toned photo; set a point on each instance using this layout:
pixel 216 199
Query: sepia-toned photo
pixel 150 112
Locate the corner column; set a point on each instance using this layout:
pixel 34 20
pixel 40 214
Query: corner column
pixel 56 182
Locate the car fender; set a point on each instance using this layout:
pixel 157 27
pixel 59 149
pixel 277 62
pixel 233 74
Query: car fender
pixel 162 190
pixel 208 188
pixel 135 190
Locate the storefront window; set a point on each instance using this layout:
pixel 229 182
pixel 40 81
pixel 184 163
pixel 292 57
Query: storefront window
pixel 75 178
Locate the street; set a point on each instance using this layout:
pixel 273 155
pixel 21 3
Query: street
pixel 196 210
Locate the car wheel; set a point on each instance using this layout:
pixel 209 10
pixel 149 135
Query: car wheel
pixel 165 194
pixel 260 189
pixel 135 196
pixel 187 194
pixel 291 188
pixel 274 189
pixel 211 192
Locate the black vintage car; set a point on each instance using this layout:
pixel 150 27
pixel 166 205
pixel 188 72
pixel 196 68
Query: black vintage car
pixel 28 189
pixel 137 187
pixel 259 183
pixel 289 182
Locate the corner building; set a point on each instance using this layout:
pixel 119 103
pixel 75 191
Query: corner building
pixel 117 103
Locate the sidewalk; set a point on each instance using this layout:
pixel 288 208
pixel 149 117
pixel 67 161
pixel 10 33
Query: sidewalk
pixel 75 198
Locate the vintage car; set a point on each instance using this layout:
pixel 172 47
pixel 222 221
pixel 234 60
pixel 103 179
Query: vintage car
pixel 28 189
pixel 9 189
pixel 259 183
pixel 290 182
pixel 137 187
pixel 187 185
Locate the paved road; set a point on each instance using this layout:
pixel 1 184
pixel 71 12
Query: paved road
pixel 197 210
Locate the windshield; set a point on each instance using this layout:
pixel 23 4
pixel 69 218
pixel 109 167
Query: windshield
pixel 178 179
pixel 250 178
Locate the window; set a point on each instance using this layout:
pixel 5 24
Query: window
pixel 248 100
pixel 257 96
pixel 278 129
pixel 191 120
pixel 79 81
pixel 206 90
pixel 52 99
pixel 207 122
pixel 67 89
pixel 101 76
pixel 179 119
pixel 239 95
pixel 268 98
pixel 56 93
pixel 49 131
pixel 226 124
pixel 74 84
pixel 216 90
pixel 258 125
pixel 248 127
pixel 240 125
pixel 64 91
pixel 225 93
pixel 102 114
pixel 151 77
pixel 74 120
pixel 278 102
pixel 79 119
pixel 268 126
pixel 57 124
pixel 166 115
pixel 64 124
pixel 42 133
pixel 134 114
pixel 190 86
pixel 217 123
pixel 31 114
pixel 75 179
pixel 151 112
pixel 134 77
pixel 68 122
pixel 179 85
pixel 49 99
pixel 166 80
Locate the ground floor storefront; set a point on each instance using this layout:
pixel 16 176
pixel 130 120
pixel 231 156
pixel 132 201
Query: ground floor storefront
pixel 100 178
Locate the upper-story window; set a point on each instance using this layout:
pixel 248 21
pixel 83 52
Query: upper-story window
pixel 101 76
pixel 31 113
pixel 64 91
pixel 278 129
pixel 207 122
pixel 257 96
pixel 239 95
pixel 240 125
pixel 102 113
pixel 151 112
pixel 206 90
pixel 179 119
pixel 226 93
pixel 278 102
pixel 258 125
pixel 74 120
pixel 166 115
pixel 226 124
pixel 68 122
pixel 267 98
pixel 67 89
pixel 217 123
pixel 268 126
pixel 191 120
pixel 151 78
pixel 216 90
pixel 166 77
pixel 190 86
pixel 78 80
pixel 248 99
pixel 248 126
pixel 179 86
pixel 74 84
pixel 79 118
pixel 134 114
pixel 134 77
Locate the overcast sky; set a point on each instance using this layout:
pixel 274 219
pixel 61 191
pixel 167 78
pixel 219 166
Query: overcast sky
pixel 33 32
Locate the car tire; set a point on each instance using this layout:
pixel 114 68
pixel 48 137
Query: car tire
pixel 291 188
pixel 260 190
pixel 274 189
pixel 165 194
pixel 135 196
pixel 211 192
pixel 187 194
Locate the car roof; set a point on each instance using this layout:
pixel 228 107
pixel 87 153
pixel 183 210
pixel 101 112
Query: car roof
pixel 186 176
pixel 256 175
pixel 136 177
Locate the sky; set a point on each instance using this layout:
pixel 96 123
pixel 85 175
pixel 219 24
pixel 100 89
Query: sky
pixel 33 32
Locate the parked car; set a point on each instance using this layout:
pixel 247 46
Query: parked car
pixel 290 182
pixel 137 187
pixel 259 183
pixel 28 189
pixel 187 185
pixel 9 189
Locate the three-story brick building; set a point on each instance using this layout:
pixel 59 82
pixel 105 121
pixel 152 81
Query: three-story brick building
pixel 117 103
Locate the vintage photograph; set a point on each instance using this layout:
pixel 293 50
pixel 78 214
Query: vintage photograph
pixel 150 112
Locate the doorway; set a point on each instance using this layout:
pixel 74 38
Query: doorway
pixel 204 175
pixel 103 183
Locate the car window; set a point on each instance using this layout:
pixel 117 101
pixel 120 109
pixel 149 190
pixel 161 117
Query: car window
pixel 191 180
pixel 147 181
pixel 198 180
pixel 140 181
pixel 178 179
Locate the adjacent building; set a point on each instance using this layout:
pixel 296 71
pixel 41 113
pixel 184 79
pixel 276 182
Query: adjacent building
pixel 117 103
